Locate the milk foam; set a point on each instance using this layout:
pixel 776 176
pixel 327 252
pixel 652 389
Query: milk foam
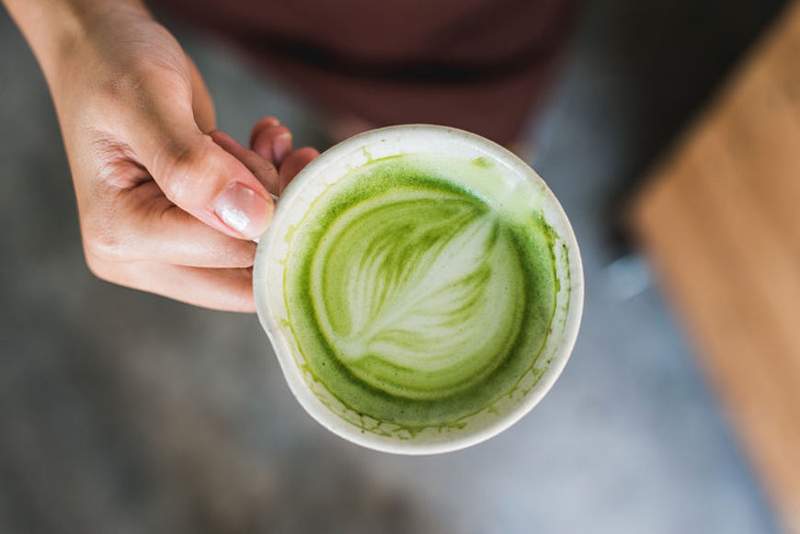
pixel 420 289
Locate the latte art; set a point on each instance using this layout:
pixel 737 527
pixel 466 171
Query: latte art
pixel 417 299
pixel 411 291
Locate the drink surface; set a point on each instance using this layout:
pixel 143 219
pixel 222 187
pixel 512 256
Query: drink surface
pixel 420 289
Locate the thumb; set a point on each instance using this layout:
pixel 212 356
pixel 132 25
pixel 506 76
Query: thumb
pixel 202 178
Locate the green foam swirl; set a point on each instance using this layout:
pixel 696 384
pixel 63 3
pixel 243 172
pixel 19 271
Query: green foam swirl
pixel 412 299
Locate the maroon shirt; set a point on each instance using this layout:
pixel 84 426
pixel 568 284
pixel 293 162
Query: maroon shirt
pixel 481 65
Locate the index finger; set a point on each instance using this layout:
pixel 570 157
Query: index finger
pixel 260 167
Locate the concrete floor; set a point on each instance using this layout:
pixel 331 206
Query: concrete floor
pixel 122 412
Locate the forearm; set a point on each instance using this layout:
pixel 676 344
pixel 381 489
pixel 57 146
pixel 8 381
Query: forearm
pixel 53 28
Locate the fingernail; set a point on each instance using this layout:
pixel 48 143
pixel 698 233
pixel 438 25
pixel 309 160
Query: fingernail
pixel 243 210
pixel 281 146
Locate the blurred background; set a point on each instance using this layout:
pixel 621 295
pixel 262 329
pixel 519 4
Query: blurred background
pixel 122 412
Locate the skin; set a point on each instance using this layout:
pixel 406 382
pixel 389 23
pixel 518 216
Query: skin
pixel 167 203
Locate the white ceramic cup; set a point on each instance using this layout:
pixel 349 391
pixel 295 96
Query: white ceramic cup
pixel 274 246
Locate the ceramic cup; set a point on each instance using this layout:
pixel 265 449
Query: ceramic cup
pixel 274 246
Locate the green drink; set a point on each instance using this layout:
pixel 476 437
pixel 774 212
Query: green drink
pixel 417 294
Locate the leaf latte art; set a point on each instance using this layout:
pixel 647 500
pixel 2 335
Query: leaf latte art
pixel 409 288
pixel 413 299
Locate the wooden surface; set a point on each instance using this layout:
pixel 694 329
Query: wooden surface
pixel 720 221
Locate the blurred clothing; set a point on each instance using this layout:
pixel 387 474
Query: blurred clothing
pixel 481 65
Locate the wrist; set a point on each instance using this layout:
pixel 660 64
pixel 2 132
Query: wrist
pixel 55 29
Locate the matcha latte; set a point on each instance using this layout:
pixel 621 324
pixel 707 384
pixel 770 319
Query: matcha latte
pixel 419 292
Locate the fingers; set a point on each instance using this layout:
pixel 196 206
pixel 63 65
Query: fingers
pixel 161 231
pixel 270 140
pixel 263 122
pixel 294 163
pixel 259 166
pixel 173 236
pixel 140 224
pixel 219 289
pixel 204 180
pixel 197 174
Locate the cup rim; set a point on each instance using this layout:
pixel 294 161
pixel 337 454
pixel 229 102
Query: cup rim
pixel 333 421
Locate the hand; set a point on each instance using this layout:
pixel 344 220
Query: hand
pixel 166 203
